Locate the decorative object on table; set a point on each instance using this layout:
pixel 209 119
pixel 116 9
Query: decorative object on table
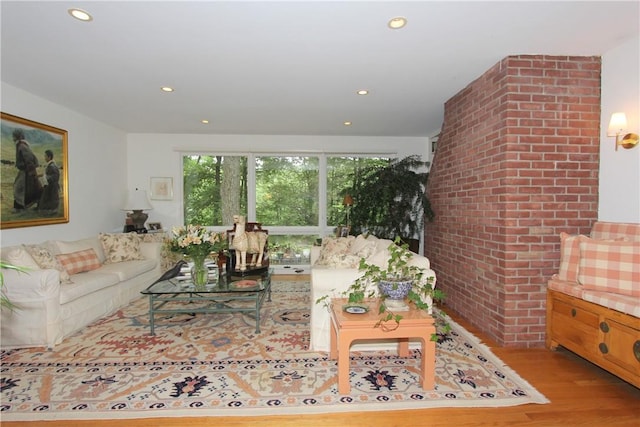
pixel 172 272
pixel 161 188
pixel 389 283
pixel 245 242
pixel 155 227
pixel 198 243
pixel 34 154
pixel 391 201
pixel 137 202
pixel 342 231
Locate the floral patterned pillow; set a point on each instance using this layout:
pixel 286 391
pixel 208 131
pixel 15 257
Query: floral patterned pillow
pixel 120 247
pixel 332 246
pixel 45 259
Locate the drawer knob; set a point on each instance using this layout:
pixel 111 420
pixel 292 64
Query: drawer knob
pixel 604 327
pixel 603 348
pixel 573 312
pixel 636 350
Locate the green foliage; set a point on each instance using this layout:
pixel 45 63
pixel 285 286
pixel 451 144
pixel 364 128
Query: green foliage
pixel 390 200
pixel 343 175
pixel 287 190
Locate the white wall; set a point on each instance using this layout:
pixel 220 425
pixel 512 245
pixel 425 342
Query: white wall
pixel 97 170
pixel 620 170
pixel 159 155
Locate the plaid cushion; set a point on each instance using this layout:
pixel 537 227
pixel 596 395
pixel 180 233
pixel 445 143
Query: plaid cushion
pixel 610 266
pixel 570 256
pixel 78 262
pixel 616 230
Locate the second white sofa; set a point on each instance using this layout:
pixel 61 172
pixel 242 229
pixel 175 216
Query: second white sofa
pixel 334 267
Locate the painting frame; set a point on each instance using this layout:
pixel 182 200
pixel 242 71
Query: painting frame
pixel 161 188
pixel 39 208
pixel 154 226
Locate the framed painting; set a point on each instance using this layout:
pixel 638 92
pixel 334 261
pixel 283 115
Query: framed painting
pixel 34 179
pixel 161 188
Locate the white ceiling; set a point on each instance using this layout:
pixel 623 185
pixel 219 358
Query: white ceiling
pixel 289 67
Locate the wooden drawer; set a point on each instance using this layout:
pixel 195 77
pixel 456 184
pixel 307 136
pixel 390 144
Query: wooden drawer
pixel 575 328
pixel 619 344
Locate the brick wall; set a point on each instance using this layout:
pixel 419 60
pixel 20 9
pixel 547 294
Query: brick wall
pixel 516 164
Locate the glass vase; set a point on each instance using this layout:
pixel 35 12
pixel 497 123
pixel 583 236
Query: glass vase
pixel 199 272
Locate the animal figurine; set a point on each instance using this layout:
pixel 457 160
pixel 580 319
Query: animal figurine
pixel 247 242
pixel 172 272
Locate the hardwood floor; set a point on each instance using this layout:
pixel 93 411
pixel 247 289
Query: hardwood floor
pixel 581 394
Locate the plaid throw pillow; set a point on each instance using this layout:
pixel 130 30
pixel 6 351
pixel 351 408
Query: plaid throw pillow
pixel 570 256
pixel 610 267
pixel 79 262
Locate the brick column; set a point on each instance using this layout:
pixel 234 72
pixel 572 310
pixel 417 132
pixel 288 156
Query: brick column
pixel 516 164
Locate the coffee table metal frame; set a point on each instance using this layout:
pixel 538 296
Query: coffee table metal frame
pixel 216 298
pixel 347 327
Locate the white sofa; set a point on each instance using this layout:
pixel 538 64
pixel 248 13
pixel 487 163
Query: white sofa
pixel 53 304
pixel 334 266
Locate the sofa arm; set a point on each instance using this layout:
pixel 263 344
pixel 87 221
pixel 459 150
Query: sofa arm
pixel 315 254
pixel 31 285
pixel 36 321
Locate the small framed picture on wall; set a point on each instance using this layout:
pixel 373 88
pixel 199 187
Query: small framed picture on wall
pixel 161 188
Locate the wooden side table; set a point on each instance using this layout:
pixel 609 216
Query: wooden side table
pixel 346 327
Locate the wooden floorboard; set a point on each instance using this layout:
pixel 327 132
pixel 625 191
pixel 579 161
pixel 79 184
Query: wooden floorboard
pixel 581 394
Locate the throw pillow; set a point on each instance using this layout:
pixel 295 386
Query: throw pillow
pixel 342 261
pixel 21 258
pixel 362 247
pixel 569 256
pixel 66 247
pixel 45 259
pixel 333 246
pixel 120 247
pixel 608 266
pixel 79 262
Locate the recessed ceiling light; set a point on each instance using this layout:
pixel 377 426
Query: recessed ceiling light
pixel 363 92
pixel 80 15
pixel 204 121
pixel 347 123
pixel 397 22
pixel 167 89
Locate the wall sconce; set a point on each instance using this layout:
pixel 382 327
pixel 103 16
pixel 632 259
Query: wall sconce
pixel 137 202
pixel 617 127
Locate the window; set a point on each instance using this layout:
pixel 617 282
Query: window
pixel 297 198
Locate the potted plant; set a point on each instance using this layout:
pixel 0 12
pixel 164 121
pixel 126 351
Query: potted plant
pixel 391 201
pixel 398 274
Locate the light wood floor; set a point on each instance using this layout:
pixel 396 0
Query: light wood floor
pixel 581 394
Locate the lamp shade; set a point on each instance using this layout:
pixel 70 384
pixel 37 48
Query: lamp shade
pixel 348 200
pixel 137 201
pixel 617 124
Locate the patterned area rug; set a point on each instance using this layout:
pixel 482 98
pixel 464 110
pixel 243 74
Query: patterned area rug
pixel 208 365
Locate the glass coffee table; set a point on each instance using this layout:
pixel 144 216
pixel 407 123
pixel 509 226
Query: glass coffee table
pixel 228 295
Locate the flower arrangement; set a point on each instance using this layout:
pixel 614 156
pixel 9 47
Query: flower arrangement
pixel 196 241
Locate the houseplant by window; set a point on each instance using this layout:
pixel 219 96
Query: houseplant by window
pixel 390 201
